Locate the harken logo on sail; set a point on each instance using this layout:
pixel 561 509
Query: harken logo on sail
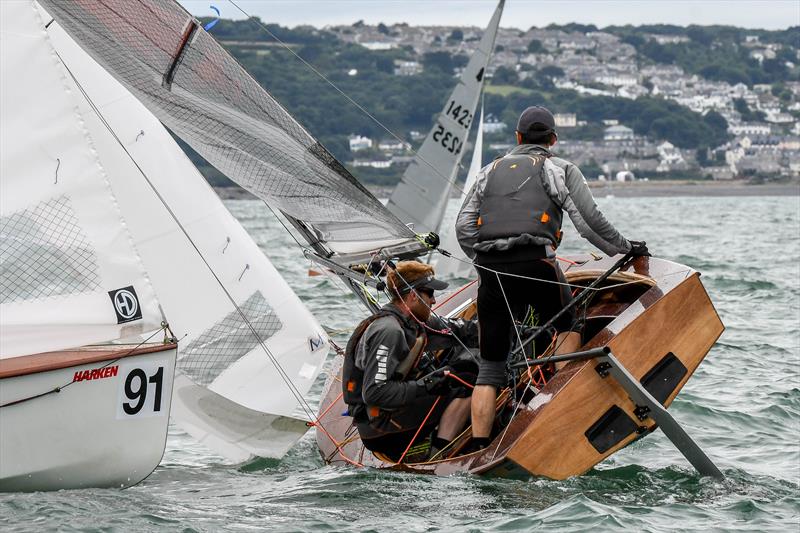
pixel 126 304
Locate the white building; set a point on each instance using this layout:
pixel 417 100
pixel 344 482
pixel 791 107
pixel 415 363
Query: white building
pixel 372 163
pixel 493 125
pixel 357 142
pixel 617 80
pixel 618 133
pixel 565 120
pixel 670 157
pixel 406 68
pixel 377 45
pixel 392 145
pixel 749 128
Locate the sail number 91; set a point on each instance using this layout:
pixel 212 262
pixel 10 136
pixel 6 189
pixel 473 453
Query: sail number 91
pixel 142 393
pixel 136 385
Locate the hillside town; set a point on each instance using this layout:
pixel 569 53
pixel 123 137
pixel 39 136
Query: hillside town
pixel 763 128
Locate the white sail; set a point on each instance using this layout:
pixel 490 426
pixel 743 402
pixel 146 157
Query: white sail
pixel 65 250
pixel 186 79
pixel 235 388
pixel 421 196
pixel 459 265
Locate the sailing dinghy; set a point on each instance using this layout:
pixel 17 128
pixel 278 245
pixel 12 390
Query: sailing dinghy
pixel 83 417
pixel 97 196
pixel 648 325
pixel 649 322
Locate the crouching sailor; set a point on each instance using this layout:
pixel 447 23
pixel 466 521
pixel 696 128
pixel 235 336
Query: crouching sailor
pixel 385 357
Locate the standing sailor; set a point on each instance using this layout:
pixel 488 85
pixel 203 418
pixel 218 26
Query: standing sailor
pixel 510 225
pixel 390 405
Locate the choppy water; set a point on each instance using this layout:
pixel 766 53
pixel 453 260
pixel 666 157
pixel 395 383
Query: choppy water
pixel 742 406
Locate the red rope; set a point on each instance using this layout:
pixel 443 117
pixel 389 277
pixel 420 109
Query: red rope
pixel 419 429
pixel 459 291
pixel 451 375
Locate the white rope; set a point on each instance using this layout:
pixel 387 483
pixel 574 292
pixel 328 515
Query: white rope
pixel 566 284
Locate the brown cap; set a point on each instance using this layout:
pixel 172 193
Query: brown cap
pixel 413 275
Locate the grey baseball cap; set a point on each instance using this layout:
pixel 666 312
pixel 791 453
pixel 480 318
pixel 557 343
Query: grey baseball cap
pixel 536 119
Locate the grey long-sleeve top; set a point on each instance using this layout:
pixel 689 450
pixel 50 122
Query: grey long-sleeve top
pixel 386 343
pixel 567 187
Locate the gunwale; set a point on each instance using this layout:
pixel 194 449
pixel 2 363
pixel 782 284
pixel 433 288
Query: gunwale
pixel 46 361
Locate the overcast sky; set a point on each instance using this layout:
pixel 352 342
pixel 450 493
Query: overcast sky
pixel 768 14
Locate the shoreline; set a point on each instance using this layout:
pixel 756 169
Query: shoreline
pixel 613 189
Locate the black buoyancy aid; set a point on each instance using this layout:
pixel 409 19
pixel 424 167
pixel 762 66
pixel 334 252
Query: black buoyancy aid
pixel 515 201
pixel 353 377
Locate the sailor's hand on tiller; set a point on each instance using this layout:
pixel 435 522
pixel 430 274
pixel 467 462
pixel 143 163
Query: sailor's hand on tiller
pixel 639 249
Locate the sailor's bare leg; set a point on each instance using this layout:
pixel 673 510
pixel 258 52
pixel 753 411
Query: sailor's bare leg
pixel 567 342
pixel 483 407
pixel 454 419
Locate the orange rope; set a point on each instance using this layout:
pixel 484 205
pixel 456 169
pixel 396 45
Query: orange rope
pixel 317 424
pixel 339 447
pixel 325 412
pixel 419 429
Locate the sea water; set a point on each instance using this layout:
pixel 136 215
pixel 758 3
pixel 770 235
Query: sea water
pixel 742 406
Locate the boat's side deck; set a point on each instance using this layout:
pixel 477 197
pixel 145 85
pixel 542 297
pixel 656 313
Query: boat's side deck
pixel 43 362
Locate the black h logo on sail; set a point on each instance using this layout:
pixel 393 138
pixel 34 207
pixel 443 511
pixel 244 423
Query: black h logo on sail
pixel 126 304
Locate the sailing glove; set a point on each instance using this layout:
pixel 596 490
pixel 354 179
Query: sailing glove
pixel 639 248
pixel 437 383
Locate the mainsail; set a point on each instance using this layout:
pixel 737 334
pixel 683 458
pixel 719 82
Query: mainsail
pixel 65 250
pixel 421 196
pixel 179 72
pixel 459 266
pixel 249 349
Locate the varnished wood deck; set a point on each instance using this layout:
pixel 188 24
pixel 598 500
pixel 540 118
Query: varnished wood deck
pixel 43 362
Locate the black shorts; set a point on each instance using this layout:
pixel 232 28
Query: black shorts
pixel 546 299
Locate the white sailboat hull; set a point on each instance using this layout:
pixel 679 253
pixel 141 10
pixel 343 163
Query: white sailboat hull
pixel 106 427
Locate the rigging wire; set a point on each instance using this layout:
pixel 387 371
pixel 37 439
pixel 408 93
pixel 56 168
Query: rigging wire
pixel 452 182
pixel 281 372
